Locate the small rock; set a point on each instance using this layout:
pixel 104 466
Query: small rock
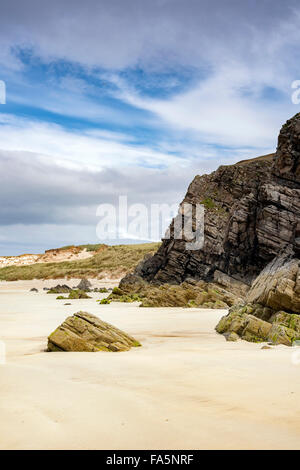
pixel 59 289
pixel 266 347
pixel 231 336
pixel 280 334
pixel 33 290
pixel 84 285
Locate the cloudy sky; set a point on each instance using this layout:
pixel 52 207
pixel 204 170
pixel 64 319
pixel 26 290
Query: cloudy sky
pixel 132 97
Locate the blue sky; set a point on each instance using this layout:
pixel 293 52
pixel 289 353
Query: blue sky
pixel 132 97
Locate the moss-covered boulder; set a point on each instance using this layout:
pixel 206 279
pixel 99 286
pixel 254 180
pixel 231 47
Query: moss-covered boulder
pixel 78 294
pixel 244 325
pixel 86 332
pixel 289 320
pixel 280 334
pixel 256 330
pixel 256 323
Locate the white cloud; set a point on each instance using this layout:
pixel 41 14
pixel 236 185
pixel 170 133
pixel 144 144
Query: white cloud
pixel 91 148
pixel 224 109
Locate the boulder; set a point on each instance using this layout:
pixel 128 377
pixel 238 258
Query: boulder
pixel 132 283
pixel 280 334
pixel 84 285
pixel 287 319
pixel 86 332
pixel 78 294
pixel 280 328
pixel 59 289
pixel 278 285
pixel 256 330
pixel 243 325
pixel 231 336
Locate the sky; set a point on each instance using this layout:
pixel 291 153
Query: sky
pixel 135 98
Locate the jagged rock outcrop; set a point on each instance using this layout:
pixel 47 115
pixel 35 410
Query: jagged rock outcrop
pixel 252 214
pixel 273 309
pixel 278 285
pixel 86 332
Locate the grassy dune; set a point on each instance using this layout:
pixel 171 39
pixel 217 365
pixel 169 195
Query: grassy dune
pixel 113 261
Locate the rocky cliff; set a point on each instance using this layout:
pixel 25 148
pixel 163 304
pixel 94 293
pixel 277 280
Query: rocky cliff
pixel 252 214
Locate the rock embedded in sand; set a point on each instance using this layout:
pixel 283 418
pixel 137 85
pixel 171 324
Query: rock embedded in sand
pixel 59 289
pixel 245 322
pixel 231 336
pixel 84 285
pixel 78 294
pixel 86 332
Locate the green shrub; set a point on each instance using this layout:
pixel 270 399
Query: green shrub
pixel 78 294
pixel 208 203
pixel 117 291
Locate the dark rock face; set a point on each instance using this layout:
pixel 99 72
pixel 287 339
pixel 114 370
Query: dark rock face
pixel 287 165
pixel 252 213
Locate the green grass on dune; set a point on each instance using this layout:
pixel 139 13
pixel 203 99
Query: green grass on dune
pixel 88 247
pixel 116 260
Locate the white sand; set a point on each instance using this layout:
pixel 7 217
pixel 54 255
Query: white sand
pixel 186 388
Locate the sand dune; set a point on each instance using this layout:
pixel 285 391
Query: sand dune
pixel 50 256
pixel 186 388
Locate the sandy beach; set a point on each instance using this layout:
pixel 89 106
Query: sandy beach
pixel 185 388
